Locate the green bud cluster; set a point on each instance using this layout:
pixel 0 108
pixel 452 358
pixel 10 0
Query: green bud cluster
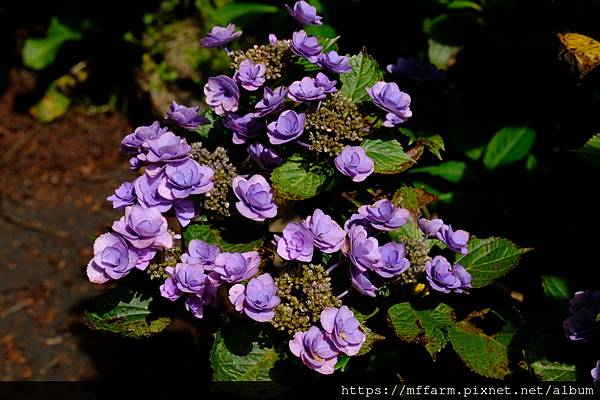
pixel 335 123
pixel 273 56
pixel 167 258
pixel 304 293
pixel 217 199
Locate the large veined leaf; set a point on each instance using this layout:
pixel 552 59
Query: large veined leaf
pixel 387 155
pixel 554 371
pixel 299 179
pixel 212 235
pixel 365 72
pixel 371 339
pixel 489 259
pixel 591 150
pixel 38 53
pixel 556 287
pixel 508 145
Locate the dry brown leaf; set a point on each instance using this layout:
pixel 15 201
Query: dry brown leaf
pixel 581 52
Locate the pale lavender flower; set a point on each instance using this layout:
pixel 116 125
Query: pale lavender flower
pixel 185 178
pixel 430 227
pixel 455 240
pixel 334 62
pixel 124 196
pixel 222 93
pixel 235 267
pixel 220 36
pixel 255 198
pixel 296 243
pixel 363 250
pixel 305 90
pixel 393 260
pixel 146 191
pixel 323 82
pixel 200 252
pixel 596 372
pixel 132 143
pixel 304 13
pixel 184 210
pixel 446 278
pixel 289 126
pixel 144 227
pixel 306 46
pixel 354 162
pixel 361 282
pixel 272 101
pixel 250 76
pixel 383 215
pixel 315 350
pixel 113 259
pixel 165 149
pixel 185 117
pixel 169 289
pixel 328 236
pixel 265 157
pixel 343 329
pixel 257 299
pixel 390 98
pixel 244 127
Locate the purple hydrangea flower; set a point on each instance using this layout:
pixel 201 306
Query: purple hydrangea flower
pixel 363 250
pixel 388 97
pixel 124 195
pixel 289 126
pixel 255 198
pixel 265 157
pixel 323 82
pixel 250 76
pixel 306 90
pixel 430 227
pixel 220 36
pixel 354 162
pixel 185 178
pixel 306 46
pixel 356 219
pixel 272 101
pixel 184 210
pixel 222 93
pixel 143 228
pixel 304 13
pixel 596 372
pixel 455 240
pixel 315 350
pixel 132 143
pixel 189 278
pixel 201 253
pixel 328 236
pixel 195 304
pixel 393 260
pixel 343 329
pixel 445 278
pixel 185 117
pixel 258 299
pixel 113 259
pixel 581 325
pixel 296 243
pixel 361 282
pixel 334 62
pixel 411 69
pixel 191 281
pixel 169 289
pixel 146 191
pixel 384 216
pixel 244 127
pixel 235 267
pixel 166 148
pixel 585 299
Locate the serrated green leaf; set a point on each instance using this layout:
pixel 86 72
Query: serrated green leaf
pixel 508 145
pixel 365 72
pixel 549 371
pixel 489 259
pixel 212 235
pixel 126 313
pixel 425 326
pixel 413 199
pixel 38 53
pixel 387 155
pixel 556 287
pixel 452 171
pixel 371 340
pixel 299 179
pixel 591 150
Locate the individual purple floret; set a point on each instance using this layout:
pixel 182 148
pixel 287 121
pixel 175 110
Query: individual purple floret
pixel 250 76
pixel 189 278
pixel 185 178
pixel 223 94
pixel 585 299
pixel 124 196
pixel 388 97
pixel 343 329
pixel 235 267
pixel 143 228
pixel 113 259
pixel 244 127
pixel 315 350
pixel 289 126
pixel 328 236
pixel 446 278
pixel 132 143
pixel 455 240
pixel 166 149
pixel 220 36
pixel 146 191
pixel 306 90
pixel 185 117
pixel 191 281
pixel 383 215
pixel 361 282
pixel 306 46
pixel 334 62
pixel 169 289
pixel 257 299
pixel 304 13
pixel 363 250
pixel 296 243
pixel 271 102
pixel 581 325
pixel 255 198
pixel 265 157
pixel 354 162
pixel 411 69
pixel 393 260
pixel 430 227
pixel 184 210
pixel 596 372
pixel 323 82
pixel 202 253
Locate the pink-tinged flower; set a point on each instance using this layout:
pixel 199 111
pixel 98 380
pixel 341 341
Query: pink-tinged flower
pixel 220 36
pixel 289 126
pixel 143 228
pixel 258 299
pixel 343 329
pixel 390 98
pixel 363 250
pixel 393 260
pixel 455 240
pixel 250 76
pixel 235 267
pixel 296 243
pixel 124 196
pixel 200 252
pixel 185 117
pixel 328 236
pixel 113 259
pixel 222 93
pixel 255 198
pixel 354 162
pixel 306 89
pixel 315 350
pixel 304 13
pixel 383 215
pixel 444 277
pixel 306 46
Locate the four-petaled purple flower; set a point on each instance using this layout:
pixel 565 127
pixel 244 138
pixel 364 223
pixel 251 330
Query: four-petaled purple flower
pixel 390 98
pixel 363 250
pixel 113 259
pixel 251 76
pixel 328 236
pixel 222 93
pixel 202 253
pixel 265 157
pixel 343 329
pixel 455 240
pixel 255 198
pixel 185 117
pixel 271 102
pixel 393 260
pixel 304 13
pixel 244 127
pixel 220 36
pixel 383 215
pixel 132 143
pixel 289 126
pixel 315 350
pixel 430 227
pixel 446 278
pixel 354 162
pixel 165 149
pixel 334 62
pixel 143 228
pixel 323 82
pixel 235 267
pixel 124 195
pixel 306 90
pixel 296 243
pixel 184 179
pixel 258 299
pixel 306 46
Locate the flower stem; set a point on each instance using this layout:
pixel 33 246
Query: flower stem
pixel 345 292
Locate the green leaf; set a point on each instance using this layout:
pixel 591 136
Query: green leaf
pixel 38 53
pixel 556 287
pixel 432 142
pixel 489 259
pixel 371 339
pixel 342 362
pixel 235 10
pixel 424 326
pixel 213 235
pixel 549 371
pixel 125 312
pixel 508 145
pixel 322 31
pixel 531 163
pixel 440 55
pixel 204 130
pixel 409 230
pixel 413 199
pixel 452 171
pixel 365 72
pixel 388 155
pixel 462 4
pixel 299 179
pixel 591 150
pixel 53 105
